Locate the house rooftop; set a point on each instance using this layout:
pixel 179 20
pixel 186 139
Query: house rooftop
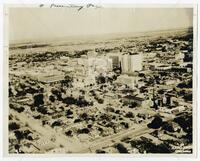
pixel 134 98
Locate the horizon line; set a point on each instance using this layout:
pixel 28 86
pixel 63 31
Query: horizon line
pixel 73 37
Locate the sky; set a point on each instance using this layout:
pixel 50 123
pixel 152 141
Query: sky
pixel 43 23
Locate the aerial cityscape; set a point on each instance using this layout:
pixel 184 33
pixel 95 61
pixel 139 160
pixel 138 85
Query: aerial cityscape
pixel 129 94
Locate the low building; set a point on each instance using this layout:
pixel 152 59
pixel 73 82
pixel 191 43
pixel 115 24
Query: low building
pixel 127 80
pixel 163 67
pixel 50 78
pixel 131 99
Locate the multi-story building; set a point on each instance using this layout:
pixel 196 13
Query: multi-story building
pixel 100 64
pixel 127 80
pixel 115 61
pixel 131 63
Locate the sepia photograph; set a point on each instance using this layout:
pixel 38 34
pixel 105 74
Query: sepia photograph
pixel 89 79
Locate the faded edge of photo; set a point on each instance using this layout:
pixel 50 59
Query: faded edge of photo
pixel 6 101
pixel 5 81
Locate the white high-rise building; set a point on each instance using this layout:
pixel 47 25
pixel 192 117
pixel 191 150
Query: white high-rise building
pixel 101 65
pixel 136 62
pixel 125 63
pixel 131 63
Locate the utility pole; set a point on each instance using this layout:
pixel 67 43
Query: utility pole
pixel 155 106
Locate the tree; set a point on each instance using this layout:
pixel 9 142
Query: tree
pixel 99 151
pixel 125 124
pixel 10 92
pixel 31 90
pixel 129 115
pixel 69 112
pixel 17 147
pixel 99 100
pixel 89 125
pixel 68 133
pixel 26 134
pixel 56 123
pixel 20 93
pixel 110 109
pixel 81 102
pixel 42 109
pixel 100 79
pixel 38 100
pixel 155 123
pixel 29 137
pixel 188 97
pixel 185 122
pixel 57 93
pixel 62 108
pixel 20 109
pixel 13 126
pixel 77 120
pixel 69 100
pixel 160 148
pixel 83 131
pixel 52 98
pixel 37 117
pixel 149 147
pixel 67 81
pixel 84 116
pixel 133 105
pixel 121 148
pixel 141 75
pixel 19 135
pixel 168 127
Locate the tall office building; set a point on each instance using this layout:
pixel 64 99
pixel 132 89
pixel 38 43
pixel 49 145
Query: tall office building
pixel 99 64
pixel 136 62
pixel 125 63
pixel 131 63
pixel 115 61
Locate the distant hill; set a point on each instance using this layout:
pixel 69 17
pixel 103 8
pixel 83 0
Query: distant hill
pixel 78 39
